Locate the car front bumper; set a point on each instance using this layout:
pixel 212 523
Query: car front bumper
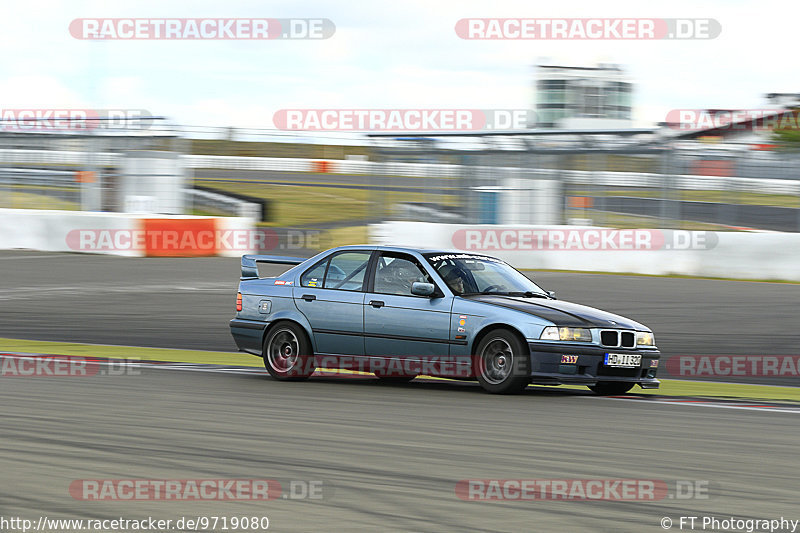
pixel 580 364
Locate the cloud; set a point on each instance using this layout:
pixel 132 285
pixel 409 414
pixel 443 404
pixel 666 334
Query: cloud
pixel 383 55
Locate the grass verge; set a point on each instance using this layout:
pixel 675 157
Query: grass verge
pixel 306 205
pixel 26 200
pixel 676 387
pixel 128 352
pixel 344 236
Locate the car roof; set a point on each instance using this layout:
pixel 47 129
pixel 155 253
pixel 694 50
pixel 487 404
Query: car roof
pixel 399 248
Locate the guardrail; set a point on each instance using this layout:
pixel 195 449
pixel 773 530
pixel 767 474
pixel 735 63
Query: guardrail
pixel 62 157
pixel 224 204
pixel 58 185
pixel 62 184
pixel 32 176
pixel 336 166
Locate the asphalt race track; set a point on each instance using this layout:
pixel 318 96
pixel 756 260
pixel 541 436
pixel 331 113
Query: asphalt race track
pixel 388 457
pixel 187 303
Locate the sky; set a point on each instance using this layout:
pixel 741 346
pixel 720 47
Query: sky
pixel 383 55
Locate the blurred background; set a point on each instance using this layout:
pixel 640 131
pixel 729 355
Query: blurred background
pixel 621 134
pixel 604 173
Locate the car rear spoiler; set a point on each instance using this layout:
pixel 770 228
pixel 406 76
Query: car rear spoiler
pixel 250 263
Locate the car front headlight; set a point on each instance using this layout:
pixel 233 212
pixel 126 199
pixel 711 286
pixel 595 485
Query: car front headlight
pixel 645 338
pixel 554 333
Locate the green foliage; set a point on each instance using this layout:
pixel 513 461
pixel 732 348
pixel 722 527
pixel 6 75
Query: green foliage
pixel 788 136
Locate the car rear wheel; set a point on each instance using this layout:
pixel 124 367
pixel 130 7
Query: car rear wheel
pixel 502 363
pixel 287 353
pixel 611 388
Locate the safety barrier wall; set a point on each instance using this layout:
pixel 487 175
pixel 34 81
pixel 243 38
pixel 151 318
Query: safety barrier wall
pixel 736 255
pixel 125 234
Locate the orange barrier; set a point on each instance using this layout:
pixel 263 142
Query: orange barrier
pixel 713 167
pixel 84 176
pixel 763 146
pixel 581 202
pixel 321 167
pixel 180 237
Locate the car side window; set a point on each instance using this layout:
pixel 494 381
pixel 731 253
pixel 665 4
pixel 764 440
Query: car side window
pixel 395 273
pixel 347 270
pixel 315 276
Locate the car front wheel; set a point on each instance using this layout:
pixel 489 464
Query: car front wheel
pixel 502 363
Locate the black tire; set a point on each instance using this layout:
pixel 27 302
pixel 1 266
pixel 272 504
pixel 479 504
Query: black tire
pixel 502 363
pixel 611 388
pixel 394 379
pixel 287 353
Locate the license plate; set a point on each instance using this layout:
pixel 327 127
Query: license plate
pixel 623 360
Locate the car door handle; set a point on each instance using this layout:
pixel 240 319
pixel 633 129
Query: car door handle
pixel 376 303
pixel 309 297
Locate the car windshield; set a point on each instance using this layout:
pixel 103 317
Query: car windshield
pixel 468 274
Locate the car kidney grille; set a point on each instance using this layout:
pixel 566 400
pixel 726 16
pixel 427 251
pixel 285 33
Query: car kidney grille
pixel 628 339
pixel 609 338
pixel 618 339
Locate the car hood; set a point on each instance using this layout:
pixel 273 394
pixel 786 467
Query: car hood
pixel 560 312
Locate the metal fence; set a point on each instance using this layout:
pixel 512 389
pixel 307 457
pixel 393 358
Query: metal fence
pixel 698 187
pixel 599 179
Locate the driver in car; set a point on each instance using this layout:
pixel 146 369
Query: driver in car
pixel 456 280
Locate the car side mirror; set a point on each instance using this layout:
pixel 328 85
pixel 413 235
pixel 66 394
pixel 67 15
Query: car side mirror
pixel 421 288
pixel 552 294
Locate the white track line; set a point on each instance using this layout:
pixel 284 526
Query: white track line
pixel 793 410
pixel 31 256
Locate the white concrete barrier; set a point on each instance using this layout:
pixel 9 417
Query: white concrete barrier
pixel 727 254
pixel 48 230
pixel 124 234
